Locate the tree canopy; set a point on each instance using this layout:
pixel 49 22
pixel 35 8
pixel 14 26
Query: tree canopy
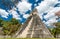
pixel 55 31
pixel 10 27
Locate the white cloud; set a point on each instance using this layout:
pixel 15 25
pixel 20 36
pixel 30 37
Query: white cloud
pixel 51 14
pixel 42 7
pixel 15 14
pixel 51 8
pixel 45 5
pixel 51 21
pixel 3 13
pixel 26 16
pixel 23 6
pixel 51 2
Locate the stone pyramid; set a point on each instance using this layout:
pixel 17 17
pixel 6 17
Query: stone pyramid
pixel 34 28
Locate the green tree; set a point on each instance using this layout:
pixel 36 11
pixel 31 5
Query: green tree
pixel 14 21
pixel 1 22
pixel 10 27
pixel 55 31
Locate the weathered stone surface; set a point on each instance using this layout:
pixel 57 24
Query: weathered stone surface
pixel 34 28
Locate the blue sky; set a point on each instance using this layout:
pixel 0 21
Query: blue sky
pixel 22 9
pixel 11 4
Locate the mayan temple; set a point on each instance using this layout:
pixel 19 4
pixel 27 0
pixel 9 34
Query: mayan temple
pixel 33 28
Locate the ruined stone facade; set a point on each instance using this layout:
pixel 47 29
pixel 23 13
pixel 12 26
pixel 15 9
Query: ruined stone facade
pixel 33 28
